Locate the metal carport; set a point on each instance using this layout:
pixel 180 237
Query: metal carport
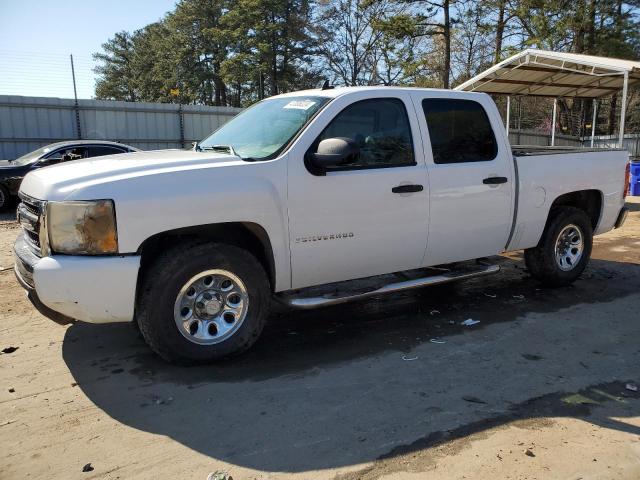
pixel 557 74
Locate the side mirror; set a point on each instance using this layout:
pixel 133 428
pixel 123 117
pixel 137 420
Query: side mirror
pixel 334 152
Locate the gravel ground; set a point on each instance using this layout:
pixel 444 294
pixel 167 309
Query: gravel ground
pixel 391 388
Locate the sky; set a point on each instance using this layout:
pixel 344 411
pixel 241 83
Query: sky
pixel 37 37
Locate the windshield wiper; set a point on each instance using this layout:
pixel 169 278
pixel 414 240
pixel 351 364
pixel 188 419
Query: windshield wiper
pixel 228 148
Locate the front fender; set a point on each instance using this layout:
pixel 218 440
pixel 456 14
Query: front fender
pixel 149 205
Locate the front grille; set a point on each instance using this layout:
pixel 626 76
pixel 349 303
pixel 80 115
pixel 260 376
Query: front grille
pixel 29 216
pixel 33 238
pixel 35 209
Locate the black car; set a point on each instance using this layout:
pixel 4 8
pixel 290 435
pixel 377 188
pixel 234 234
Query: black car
pixel 13 171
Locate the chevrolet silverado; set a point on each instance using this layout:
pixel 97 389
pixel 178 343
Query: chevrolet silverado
pixel 312 198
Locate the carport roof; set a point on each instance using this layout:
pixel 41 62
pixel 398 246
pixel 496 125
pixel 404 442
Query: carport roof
pixel 555 74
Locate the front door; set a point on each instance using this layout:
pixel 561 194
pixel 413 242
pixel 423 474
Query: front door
pixel 471 177
pixel 349 223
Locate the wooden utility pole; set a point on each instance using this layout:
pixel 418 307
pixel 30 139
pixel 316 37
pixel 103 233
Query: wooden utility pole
pixel 447 45
pixel 499 31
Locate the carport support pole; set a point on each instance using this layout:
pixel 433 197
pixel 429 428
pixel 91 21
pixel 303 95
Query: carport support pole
pixel 623 111
pixel 593 121
pixel 508 115
pixel 553 122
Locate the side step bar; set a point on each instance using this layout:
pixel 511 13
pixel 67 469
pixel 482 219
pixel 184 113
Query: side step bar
pixel 334 298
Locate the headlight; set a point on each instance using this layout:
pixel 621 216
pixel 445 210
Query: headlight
pixel 82 227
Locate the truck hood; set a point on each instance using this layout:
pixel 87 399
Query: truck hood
pixel 59 181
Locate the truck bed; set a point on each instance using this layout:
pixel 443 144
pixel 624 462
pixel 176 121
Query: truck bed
pixel 530 150
pixel 546 173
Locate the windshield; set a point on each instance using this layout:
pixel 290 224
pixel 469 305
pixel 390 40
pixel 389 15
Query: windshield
pixel 263 129
pixel 31 156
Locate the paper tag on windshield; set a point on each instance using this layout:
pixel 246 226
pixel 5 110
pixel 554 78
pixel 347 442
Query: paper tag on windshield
pixel 300 104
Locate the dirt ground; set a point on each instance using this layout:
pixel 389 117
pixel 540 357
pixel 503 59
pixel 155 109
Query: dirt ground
pixel 393 388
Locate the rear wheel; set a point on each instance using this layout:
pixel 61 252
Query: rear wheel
pixel 564 249
pixel 203 302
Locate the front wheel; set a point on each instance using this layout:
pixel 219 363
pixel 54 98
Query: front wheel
pixel 5 199
pixel 203 302
pixel 564 249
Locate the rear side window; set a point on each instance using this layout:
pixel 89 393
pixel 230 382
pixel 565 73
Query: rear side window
pixel 459 130
pixel 67 153
pixel 101 150
pixel 380 127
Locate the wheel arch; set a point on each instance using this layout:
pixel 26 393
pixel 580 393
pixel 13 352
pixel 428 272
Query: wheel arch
pixel 590 201
pixel 6 195
pixel 248 235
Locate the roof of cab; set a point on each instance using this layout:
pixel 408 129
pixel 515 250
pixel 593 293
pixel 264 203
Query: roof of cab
pixel 339 91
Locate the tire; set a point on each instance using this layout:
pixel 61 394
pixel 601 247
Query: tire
pixel 558 269
pixel 161 316
pixel 5 198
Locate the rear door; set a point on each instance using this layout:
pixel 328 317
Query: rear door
pixel 471 177
pixel 354 222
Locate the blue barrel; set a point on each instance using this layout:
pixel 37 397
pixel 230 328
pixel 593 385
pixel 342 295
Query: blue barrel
pixel 634 180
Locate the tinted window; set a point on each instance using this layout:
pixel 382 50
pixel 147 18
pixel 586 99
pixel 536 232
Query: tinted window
pixel 460 131
pixel 380 127
pixel 67 153
pixel 98 151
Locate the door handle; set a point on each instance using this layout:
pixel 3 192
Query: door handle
pixel 407 189
pixel 494 180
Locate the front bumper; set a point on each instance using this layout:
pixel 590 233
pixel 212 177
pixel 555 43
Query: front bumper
pixel 86 288
pixel 25 259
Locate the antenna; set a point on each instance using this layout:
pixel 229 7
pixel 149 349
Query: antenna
pixel 325 85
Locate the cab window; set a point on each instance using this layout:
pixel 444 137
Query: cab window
pixel 380 128
pixel 459 130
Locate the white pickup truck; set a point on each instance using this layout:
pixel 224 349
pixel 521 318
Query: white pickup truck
pixel 312 198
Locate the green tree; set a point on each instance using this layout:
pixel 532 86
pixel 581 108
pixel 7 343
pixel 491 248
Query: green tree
pixel 234 52
pixel 154 64
pixel 271 38
pixel 199 45
pixel 116 73
pixel 212 52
